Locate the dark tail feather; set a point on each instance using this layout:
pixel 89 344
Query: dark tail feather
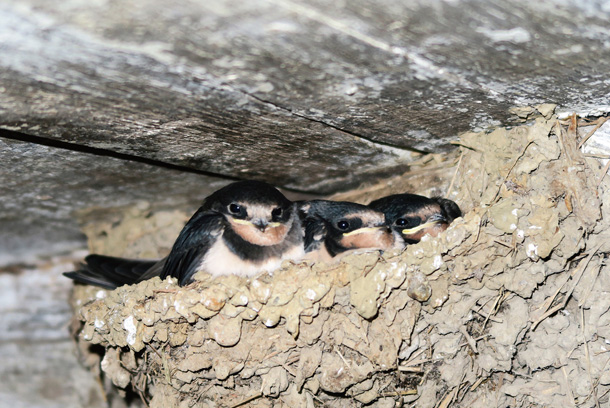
pixel 449 208
pixel 110 272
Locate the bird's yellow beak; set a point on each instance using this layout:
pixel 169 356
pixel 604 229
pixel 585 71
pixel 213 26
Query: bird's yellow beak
pixel 420 227
pixel 361 230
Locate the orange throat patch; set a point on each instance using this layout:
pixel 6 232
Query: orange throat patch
pixel 272 235
pixel 368 238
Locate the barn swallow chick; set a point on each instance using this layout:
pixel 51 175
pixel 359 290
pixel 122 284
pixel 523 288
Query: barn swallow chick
pixel 332 228
pixel 414 216
pixel 244 228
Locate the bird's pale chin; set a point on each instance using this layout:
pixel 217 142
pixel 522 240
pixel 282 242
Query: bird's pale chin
pixel 368 237
pixel 274 234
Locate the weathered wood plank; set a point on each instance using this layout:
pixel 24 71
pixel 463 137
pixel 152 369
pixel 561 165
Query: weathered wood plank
pixel 273 89
pixel 101 95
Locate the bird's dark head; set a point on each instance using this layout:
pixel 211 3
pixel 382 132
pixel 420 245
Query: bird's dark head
pixel 255 210
pixel 414 216
pixel 342 226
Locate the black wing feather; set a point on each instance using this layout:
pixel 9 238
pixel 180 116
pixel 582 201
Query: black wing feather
pixel 195 239
pixel 313 225
pixel 110 272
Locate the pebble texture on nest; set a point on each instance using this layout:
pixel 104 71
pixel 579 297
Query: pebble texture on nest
pixel 508 307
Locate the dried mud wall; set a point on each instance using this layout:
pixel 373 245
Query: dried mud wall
pixel 509 307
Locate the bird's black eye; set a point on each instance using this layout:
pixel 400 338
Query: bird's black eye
pixel 408 222
pixel 343 225
pixel 276 212
pixel 234 208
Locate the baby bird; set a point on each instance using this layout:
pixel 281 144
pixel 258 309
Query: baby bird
pixel 244 228
pixel 334 228
pixel 413 216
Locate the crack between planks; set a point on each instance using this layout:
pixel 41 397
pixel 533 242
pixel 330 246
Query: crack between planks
pixel 382 145
pixel 96 151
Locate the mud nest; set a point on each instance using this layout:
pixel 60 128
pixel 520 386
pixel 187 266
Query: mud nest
pixel 508 307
